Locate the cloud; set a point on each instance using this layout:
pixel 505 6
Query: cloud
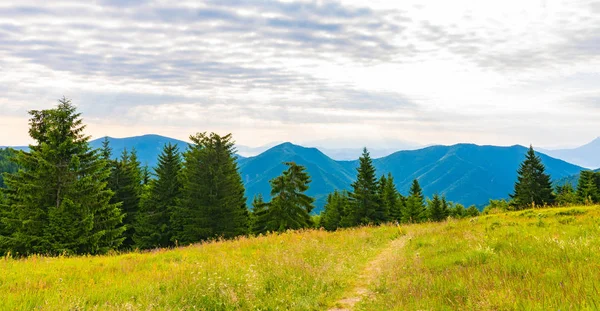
pixel 299 63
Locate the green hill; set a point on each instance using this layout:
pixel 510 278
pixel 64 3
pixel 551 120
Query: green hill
pixel 464 173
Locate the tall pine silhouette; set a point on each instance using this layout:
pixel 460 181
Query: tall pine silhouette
pixel 290 207
pixel 126 182
pixel 59 202
pixel 212 201
pixel 414 210
pixel 364 198
pixel 533 186
pixel 153 226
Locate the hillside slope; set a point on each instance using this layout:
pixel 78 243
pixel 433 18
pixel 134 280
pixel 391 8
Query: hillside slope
pixel 326 174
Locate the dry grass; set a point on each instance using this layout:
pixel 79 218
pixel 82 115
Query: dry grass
pixel 529 260
pixel 305 270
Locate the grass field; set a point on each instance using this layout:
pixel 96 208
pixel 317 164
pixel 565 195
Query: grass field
pixel 529 260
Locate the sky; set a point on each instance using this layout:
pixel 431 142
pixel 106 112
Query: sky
pixel 350 72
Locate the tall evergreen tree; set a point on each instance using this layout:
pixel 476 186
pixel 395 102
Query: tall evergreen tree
pixel 435 208
pixel 533 186
pixel 258 218
pixel 335 210
pixel 364 198
pixel 153 226
pixel 587 188
pixel 212 202
pixel 126 182
pixel 414 210
pixel 290 207
pixel 58 202
pixel 391 199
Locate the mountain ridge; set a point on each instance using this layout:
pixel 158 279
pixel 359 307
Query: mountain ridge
pixel 465 173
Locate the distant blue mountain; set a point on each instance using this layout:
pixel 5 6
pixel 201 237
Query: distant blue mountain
pixel 587 155
pixel 464 173
pixel 148 147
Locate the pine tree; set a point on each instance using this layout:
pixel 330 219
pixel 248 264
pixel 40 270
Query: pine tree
pixel 566 195
pixel 290 207
pixel 212 202
pixel 414 210
pixel 364 198
pixel 533 186
pixel 587 189
pixel 126 182
pixel 58 203
pixel 435 209
pixel 446 207
pixel 153 227
pixel 472 211
pixel 258 218
pixel 335 209
pixel 391 199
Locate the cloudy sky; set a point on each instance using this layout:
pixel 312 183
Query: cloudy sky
pixel 488 72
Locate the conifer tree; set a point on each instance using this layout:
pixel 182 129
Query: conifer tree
pixel 434 208
pixel 566 195
pixel 533 186
pixel 153 226
pixel 258 214
pixel 364 198
pixel 414 210
pixel 472 211
pixel 212 202
pixel 58 203
pixel 335 209
pixel 391 199
pixel 587 189
pixel 290 207
pixel 125 181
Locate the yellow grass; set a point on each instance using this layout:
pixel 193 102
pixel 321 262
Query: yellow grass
pixel 304 270
pixel 528 260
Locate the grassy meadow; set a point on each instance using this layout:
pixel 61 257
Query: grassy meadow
pixel 305 270
pixel 528 260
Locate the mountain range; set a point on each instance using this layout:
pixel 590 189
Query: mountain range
pixel 587 155
pixel 465 173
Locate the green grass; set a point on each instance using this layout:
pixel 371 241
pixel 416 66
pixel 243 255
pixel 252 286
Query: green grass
pixel 528 260
pixel 298 270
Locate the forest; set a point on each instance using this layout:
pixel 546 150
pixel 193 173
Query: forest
pixel 63 197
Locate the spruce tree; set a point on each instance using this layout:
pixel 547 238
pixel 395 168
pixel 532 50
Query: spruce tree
pixel 258 218
pixel 566 195
pixel 435 208
pixel 153 226
pixel 290 207
pixel 533 186
pixel 472 211
pixel 212 201
pixel 58 202
pixel 126 182
pixel 335 209
pixel 414 211
pixel 587 189
pixel 391 199
pixel 364 198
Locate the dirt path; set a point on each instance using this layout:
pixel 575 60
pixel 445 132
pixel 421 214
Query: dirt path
pixel 367 276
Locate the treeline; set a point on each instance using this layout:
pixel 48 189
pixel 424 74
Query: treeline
pixel 63 197
pixel 533 188
pixel 376 200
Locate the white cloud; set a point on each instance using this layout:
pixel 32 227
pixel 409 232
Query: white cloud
pixel 426 71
